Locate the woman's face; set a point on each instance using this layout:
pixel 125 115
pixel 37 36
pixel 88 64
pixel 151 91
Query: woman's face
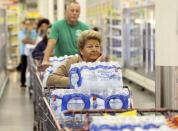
pixel 91 50
pixel 44 27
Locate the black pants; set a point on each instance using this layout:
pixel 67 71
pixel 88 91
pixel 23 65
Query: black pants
pixel 23 69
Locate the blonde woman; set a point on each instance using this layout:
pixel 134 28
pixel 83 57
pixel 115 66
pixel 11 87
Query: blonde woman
pixel 89 44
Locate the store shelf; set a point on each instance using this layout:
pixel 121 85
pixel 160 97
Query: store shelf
pixel 116 49
pixel 116 27
pixel 11 24
pixel 3 45
pixel 139 79
pixel 14 55
pixel 114 37
pixel 11 67
pixel 13 44
pixel 13 34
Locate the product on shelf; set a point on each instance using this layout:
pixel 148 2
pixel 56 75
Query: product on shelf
pixel 13 56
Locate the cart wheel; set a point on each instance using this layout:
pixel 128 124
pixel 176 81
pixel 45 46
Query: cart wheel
pixel 30 92
pixel 34 128
pixel 142 89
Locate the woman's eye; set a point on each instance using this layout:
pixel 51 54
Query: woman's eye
pixel 72 10
pixel 93 46
pixel 89 46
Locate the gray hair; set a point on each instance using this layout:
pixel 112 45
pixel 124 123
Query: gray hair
pixel 70 2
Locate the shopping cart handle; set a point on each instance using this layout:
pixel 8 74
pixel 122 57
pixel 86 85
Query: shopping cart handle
pixel 154 110
pixel 56 87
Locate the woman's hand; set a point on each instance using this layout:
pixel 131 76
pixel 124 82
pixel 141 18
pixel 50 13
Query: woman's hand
pixel 103 58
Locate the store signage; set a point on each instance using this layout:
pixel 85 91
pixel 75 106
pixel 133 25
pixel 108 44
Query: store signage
pixel 33 14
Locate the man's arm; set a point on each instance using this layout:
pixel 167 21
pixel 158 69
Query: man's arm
pixel 27 40
pixel 49 49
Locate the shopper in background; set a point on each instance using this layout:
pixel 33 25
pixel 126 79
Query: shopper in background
pixel 89 44
pixel 22 27
pixel 38 51
pixel 64 33
pixel 26 36
pixel 42 27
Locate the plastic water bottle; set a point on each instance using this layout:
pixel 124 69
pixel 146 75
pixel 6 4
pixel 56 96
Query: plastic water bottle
pixel 94 103
pixel 74 77
pixel 53 103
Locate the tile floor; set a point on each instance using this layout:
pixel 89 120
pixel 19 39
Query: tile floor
pixel 142 98
pixel 16 109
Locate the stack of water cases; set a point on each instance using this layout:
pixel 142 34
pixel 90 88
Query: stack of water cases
pixel 96 85
pixel 123 123
pixel 55 62
pixel 96 74
pixel 62 100
pixel 3 44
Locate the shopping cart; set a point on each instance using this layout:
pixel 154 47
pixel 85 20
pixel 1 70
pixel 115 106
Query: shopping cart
pixel 44 116
pixel 75 121
pixel 44 119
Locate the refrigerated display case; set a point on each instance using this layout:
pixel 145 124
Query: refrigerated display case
pixel 107 16
pixel 3 44
pixel 128 30
pixel 139 39
pixel 114 37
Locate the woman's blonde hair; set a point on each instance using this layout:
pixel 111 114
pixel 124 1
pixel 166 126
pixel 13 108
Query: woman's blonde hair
pixel 88 35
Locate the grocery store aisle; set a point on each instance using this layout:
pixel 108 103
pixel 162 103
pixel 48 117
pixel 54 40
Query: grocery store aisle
pixel 141 98
pixel 16 108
